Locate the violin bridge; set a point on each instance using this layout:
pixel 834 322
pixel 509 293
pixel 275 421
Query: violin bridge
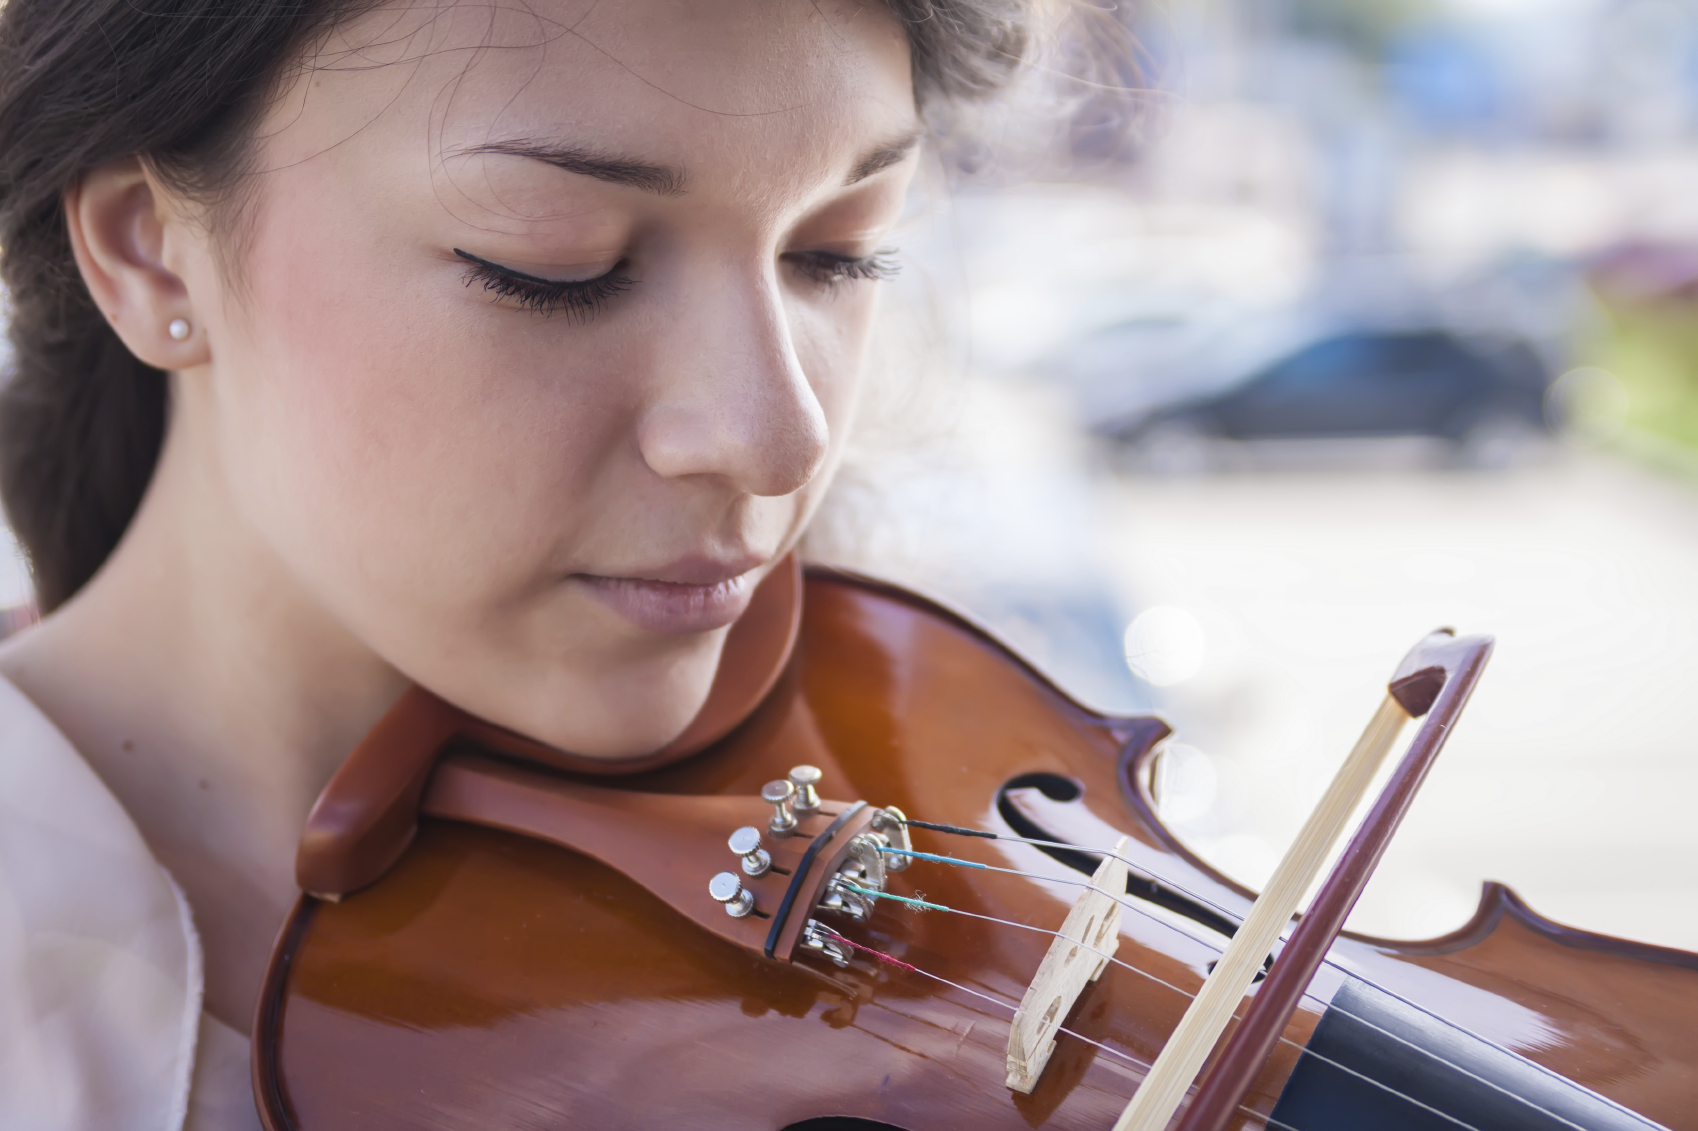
pixel 1076 957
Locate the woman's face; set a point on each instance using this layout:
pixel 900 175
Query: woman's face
pixel 546 330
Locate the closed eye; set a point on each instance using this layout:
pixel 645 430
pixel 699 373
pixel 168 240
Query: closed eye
pixel 578 299
pixel 830 270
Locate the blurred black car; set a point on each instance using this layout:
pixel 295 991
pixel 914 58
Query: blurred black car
pixel 1486 398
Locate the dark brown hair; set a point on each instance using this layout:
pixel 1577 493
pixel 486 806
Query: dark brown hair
pixel 182 84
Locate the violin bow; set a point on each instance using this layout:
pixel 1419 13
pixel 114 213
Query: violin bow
pixel 1435 679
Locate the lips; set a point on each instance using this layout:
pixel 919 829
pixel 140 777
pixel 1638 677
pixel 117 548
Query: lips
pixel 696 596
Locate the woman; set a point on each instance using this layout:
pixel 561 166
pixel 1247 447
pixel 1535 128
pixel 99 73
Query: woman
pixel 501 348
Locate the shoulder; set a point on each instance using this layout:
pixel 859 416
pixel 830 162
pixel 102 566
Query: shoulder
pixel 100 979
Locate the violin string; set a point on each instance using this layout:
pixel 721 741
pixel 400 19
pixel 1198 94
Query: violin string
pixel 928 906
pixel 957 830
pixel 996 1001
pixel 1225 912
pixel 1121 899
pixel 1125 902
pixel 1458 1068
pixel 1302 1050
pixel 1126 1056
pixel 1555 1076
pixel 1144 873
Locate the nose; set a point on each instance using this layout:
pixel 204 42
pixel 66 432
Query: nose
pixel 731 399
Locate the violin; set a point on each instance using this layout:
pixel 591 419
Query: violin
pixel 836 912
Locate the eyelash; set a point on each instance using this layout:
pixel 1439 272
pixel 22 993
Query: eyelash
pixel 833 270
pixel 578 299
pixel 582 299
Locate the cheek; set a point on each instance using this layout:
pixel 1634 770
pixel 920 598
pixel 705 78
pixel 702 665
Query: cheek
pixel 392 442
pixel 830 339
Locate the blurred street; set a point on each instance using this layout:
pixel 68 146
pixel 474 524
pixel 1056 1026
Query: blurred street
pixel 1573 774
pixel 1268 610
pixel 1446 251
pixel 1386 318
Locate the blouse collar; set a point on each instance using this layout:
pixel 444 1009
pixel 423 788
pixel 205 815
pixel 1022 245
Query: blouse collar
pixel 100 966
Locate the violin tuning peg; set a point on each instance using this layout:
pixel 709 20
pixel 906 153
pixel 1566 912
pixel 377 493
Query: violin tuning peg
pixel 778 795
pixel 805 778
pixel 729 890
pixel 746 842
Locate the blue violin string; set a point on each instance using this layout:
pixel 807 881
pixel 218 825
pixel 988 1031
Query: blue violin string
pixel 1126 1056
pixel 987 835
pixel 1125 902
pixel 1302 1051
pixel 1011 923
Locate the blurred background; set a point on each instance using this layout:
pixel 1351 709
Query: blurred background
pixel 1380 317
pixel 1359 318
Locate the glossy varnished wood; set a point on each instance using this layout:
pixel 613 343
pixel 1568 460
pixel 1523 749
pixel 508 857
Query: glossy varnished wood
pixel 493 981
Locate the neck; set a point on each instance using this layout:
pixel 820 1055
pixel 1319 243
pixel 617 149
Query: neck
pixel 214 697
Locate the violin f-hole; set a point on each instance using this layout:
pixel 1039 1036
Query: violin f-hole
pixel 1056 787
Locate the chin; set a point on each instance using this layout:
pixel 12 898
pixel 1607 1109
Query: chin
pixel 638 738
pixel 625 711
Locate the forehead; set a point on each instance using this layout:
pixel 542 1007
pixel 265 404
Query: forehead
pixel 716 88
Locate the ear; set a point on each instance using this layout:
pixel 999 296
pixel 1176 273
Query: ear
pixel 119 224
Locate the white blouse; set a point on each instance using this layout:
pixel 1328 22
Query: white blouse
pixel 101 1023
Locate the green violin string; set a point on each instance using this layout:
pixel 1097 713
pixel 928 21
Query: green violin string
pixel 857 888
pixel 1122 900
pixel 1301 1049
pixel 901 965
pixel 920 903
pixel 1126 902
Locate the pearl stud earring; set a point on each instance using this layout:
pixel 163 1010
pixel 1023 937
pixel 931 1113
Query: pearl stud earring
pixel 178 329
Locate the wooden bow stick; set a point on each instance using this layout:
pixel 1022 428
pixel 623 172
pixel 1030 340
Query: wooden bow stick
pixel 1155 1101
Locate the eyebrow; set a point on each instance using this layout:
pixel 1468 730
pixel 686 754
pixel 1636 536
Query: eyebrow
pixel 883 157
pixel 663 180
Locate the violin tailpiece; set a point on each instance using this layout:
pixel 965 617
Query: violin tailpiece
pixel 1076 957
pixel 730 864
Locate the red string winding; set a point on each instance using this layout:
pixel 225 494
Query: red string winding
pixel 878 954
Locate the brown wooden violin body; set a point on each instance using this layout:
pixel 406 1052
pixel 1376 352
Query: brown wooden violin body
pixel 496 980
